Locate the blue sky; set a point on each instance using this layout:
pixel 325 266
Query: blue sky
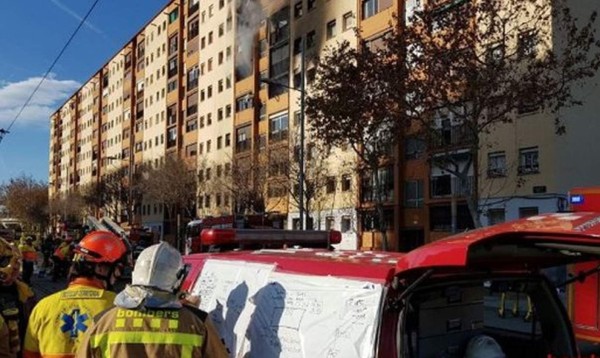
pixel 32 32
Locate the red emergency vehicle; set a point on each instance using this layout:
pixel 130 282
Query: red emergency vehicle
pixel 584 300
pixel 195 227
pixel 430 302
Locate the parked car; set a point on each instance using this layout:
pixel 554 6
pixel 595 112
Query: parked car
pixel 430 302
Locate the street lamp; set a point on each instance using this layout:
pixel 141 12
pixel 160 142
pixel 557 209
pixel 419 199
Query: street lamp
pixel 302 91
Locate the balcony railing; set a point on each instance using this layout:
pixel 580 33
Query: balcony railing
pixel 528 169
pixel 452 137
pixel 446 186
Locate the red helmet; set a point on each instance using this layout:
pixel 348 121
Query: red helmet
pixel 101 247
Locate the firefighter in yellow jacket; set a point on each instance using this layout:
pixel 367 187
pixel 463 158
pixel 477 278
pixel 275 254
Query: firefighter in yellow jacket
pixel 29 258
pixel 16 297
pixel 4 340
pixel 149 320
pixel 58 322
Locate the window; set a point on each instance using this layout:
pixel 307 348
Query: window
pixel 346 225
pixel 221 30
pixel 496 216
pixel 528 161
pixel 209 119
pixel 527 44
pixel 244 102
pixel 348 21
pixel 331 25
pixel 220 114
pixel 346 182
pixel 297 45
pixel 298 9
pixel 172 67
pixel 193 6
pixel 311 39
pixel 191 150
pixel 209 91
pixel 202 42
pixel 227 139
pixel 329 223
pixel 496 164
pixel 311 4
pixel 221 4
pixel 190 125
pixel 173 44
pixel 171 115
pixel 413 194
pixel 193 29
pixel 526 212
pixel 228 111
pixel 207 201
pixel 242 139
pixel 172 86
pixel 220 58
pixel 330 185
pixel 171 137
pixel 192 105
pixel 279 69
pixel 219 143
pixel 210 37
pixel 173 15
pixel 278 128
pixel 413 148
pixel 192 78
pixel 369 8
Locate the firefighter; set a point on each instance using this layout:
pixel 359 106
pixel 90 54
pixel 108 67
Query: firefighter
pixel 61 258
pixel 149 319
pixel 16 297
pixel 58 321
pixel 4 340
pixel 29 258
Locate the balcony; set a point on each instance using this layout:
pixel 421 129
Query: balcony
pixel 447 186
pixel 528 169
pixel 496 172
pixel 452 137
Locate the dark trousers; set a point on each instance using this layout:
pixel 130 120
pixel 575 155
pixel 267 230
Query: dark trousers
pixel 27 271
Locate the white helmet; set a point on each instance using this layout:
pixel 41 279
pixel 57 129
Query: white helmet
pixel 159 266
pixel 483 346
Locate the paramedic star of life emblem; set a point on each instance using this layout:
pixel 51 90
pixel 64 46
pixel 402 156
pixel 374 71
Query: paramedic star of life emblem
pixel 74 323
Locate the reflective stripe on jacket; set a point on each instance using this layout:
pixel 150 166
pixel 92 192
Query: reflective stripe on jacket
pixel 122 332
pixel 58 322
pixel 28 253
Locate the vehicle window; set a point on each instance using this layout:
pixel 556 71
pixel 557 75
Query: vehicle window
pixel 520 315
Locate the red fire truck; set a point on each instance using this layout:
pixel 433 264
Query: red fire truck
pixel 584 300
pixel 430 302
pixel 194 228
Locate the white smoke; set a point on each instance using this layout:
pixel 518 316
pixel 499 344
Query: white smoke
pixel 249 15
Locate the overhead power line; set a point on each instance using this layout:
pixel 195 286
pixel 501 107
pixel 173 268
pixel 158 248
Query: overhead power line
pixel 3 131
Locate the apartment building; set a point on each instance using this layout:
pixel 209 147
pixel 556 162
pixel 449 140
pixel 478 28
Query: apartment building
pixel 215 106
pixel 528 169
pixel 193 83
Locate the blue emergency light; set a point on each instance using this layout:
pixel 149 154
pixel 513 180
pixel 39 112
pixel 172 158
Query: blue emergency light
pixel 576 199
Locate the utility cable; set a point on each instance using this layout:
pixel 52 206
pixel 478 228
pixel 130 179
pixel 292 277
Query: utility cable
pixel 3 131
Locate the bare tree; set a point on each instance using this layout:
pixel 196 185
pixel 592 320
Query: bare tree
pixel 27 200
pixel 284 171
pixel 349 105
pixel 173 184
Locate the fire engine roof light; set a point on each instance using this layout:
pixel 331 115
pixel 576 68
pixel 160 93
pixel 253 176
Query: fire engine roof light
pixel 257 236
